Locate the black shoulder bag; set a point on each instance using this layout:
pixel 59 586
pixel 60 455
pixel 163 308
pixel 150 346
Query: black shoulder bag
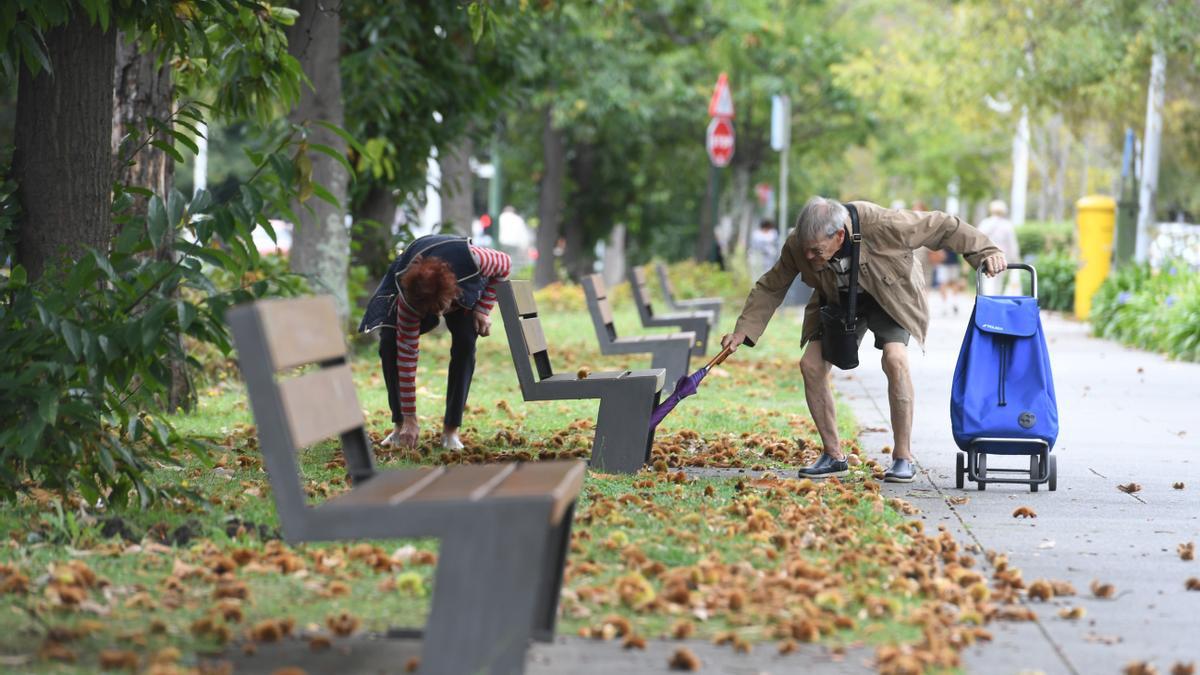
pixel 839 334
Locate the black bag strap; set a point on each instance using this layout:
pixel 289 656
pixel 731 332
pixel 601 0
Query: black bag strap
pixel 855 241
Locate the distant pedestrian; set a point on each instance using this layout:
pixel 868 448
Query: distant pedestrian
pixel 763 248
pixel 437 276
pixel 1000 229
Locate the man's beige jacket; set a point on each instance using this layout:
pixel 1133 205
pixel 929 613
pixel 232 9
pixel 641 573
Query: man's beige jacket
pixel 887 269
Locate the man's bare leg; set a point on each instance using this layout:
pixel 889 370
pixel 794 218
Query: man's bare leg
pixel 819 397
pixel 900 398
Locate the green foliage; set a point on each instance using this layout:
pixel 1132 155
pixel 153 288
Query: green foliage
pixel 1056 280
pixel 691 279
pixel 414 77
pixel 1040 237
pixel 84 349
pixel 1158 311
pixel 235 48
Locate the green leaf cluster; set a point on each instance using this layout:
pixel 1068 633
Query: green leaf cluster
pixel 84 350
pixel 1148 309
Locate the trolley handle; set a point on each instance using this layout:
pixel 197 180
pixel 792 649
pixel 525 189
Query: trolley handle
pixel 1011 266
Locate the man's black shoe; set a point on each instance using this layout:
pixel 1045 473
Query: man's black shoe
pixel 901 472
pixel 825 467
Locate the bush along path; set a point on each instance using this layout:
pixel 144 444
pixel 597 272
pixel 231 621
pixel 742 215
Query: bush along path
pixel 759 563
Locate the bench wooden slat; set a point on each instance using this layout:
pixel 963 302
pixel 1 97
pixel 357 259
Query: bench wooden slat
pixel 606 313
pixel 384 486
pixel 320 405
pixel 561 479
pixel 598 284
pixel 535 338
pixel 469 482
pixel 523 292
pixel 301 330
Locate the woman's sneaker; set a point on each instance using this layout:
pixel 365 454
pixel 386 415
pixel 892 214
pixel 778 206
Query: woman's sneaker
pixel 825 467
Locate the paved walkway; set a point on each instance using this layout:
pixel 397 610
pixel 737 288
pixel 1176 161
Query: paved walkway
pixel 1125 416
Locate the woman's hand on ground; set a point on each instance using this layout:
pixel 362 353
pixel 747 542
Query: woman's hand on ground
pixel 483 324
pixel 408 432
pixel 732 341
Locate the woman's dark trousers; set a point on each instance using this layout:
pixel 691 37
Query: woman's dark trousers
pixel 461 324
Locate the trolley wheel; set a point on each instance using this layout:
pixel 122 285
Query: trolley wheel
pixel 960 471
pixel 1034 472
pixel 981 470
pixel 1053 473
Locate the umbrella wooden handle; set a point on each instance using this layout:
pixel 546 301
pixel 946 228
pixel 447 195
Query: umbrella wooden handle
pixel 719 358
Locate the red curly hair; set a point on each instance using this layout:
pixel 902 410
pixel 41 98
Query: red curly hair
pixel 429 285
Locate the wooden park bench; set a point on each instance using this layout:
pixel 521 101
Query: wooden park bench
pixel 686 305
pixel 697 321
pixel 667 351
pixel 627 397
pixel 503 529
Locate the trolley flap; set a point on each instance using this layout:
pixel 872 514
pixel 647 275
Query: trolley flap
pixel 1016 316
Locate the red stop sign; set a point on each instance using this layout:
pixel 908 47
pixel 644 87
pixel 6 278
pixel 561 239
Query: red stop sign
pixel 719 141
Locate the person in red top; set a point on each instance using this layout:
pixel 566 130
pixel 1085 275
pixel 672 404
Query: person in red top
pixel 436 276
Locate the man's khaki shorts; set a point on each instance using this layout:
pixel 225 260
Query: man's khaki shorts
pixel 882 325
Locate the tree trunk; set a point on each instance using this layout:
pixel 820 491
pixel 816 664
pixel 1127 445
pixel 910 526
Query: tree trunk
pixel 550 199
pixel 582 211
pixel 373 218
pixel 142 90
pixel 321 243
pixel 1062 148
pixel 458 207
pixel 704 240
pixel 63 156
pixel 743 198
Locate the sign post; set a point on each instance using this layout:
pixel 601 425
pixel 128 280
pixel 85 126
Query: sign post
pixel 719 141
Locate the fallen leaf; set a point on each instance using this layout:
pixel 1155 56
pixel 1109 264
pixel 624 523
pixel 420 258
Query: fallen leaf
pixel 1178 485
pixel 684 659
pixel 342 624
pixel 1024 512
pixel 1072 613
pixel 1192 584
pixel 1139 667
pixel 1103 590
pixel 1130 488
pixel 118 659
pixel 634 642
pixel 1187 551
pixel 1040 590
pixel 1181 668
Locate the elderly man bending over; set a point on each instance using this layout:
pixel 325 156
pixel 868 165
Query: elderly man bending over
pixel 891 303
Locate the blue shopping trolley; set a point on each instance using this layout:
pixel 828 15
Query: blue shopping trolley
pixel 1002 398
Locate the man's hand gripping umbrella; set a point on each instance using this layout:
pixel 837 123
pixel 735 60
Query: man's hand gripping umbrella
pixel 686 386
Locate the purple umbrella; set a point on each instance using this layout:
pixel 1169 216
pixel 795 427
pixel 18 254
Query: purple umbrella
pixel 685 387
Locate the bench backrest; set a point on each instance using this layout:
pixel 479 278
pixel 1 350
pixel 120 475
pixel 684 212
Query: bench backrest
pixel 599 307
pixel 526 339
pixel 641 292
pixel 294 411
pixel 664 280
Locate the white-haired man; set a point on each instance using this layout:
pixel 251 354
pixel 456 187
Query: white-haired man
pixel 999 229
pixel 891 304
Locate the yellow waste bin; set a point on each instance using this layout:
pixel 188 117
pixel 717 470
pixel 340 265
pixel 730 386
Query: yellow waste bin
pixel 1095 217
